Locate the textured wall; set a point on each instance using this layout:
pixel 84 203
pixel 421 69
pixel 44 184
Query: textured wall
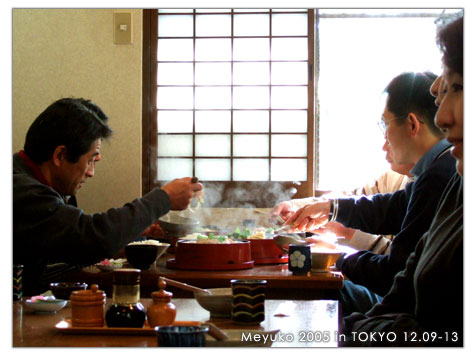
pixel 70 53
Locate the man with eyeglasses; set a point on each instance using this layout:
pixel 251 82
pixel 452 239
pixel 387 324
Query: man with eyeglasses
pixel 396 178
pixel 409 128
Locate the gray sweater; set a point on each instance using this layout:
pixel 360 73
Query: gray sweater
pixel 46 230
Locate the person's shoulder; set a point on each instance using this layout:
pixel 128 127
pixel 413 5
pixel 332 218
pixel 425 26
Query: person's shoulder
pixel 437 176
pixel 443 166
pixel 445 158
pixel 24 185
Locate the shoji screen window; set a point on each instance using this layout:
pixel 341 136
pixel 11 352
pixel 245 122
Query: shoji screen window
pixel 234 98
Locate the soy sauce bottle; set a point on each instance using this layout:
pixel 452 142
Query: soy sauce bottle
pixel 126 311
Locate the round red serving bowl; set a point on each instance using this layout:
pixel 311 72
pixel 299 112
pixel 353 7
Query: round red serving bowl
pixel 265 251
pixel 212 257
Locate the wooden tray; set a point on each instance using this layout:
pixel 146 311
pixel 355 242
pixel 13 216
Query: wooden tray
pixel 236 338
pixel 255 338
pixel 67 327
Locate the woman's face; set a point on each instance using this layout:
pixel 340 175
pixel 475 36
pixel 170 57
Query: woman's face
pixel 448 90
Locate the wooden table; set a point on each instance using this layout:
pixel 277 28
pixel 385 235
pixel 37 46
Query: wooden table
pixel 305 324
pixel 282 284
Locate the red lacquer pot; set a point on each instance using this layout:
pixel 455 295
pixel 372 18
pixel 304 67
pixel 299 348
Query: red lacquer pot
pixel 212 257
pixel 265 251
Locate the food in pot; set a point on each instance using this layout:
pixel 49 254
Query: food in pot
pixel 210 239
pixel 237 234
pixel 213 239
pixel 193 236
pixel 146 242
pixel 257 234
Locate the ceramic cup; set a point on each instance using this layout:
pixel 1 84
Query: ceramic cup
pixel 17 283
pixel 299 262
pixel 248 301
pixel 181 336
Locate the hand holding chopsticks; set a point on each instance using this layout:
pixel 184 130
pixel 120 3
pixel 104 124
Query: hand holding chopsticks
pixel 310 217
pixel 181 192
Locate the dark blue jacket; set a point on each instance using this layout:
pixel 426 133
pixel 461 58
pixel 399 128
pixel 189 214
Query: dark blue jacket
pixel 407 214
pixel 426 298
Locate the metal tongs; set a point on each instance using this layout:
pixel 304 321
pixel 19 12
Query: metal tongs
pixel 282 229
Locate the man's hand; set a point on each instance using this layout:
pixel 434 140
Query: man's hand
pixel 310 217
pixel 181 192
pixel 283 210
pixel 336 228
pixel 316 241
pixel 154 230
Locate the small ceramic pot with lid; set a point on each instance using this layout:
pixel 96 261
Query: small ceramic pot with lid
pixel 87 307
pixel 162 311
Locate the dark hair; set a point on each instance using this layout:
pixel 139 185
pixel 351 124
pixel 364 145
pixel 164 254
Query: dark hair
pixel 450 42
pixel 74 123
pixel 410 92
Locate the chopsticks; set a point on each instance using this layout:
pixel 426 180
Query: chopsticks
pixel 199 196
pixel 185 286
pixel 215 332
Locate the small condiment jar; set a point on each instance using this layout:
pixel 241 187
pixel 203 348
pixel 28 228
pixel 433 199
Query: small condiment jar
pixel 126 311
pixel 87 307
pixel 162 311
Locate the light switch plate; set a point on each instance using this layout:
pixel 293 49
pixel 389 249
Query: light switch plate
pixel 122 27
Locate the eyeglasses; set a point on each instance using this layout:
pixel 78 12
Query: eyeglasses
pixel 382 124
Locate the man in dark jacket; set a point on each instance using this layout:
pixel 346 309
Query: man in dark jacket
pixel 408 123
pixel 61 150
pixel 425 305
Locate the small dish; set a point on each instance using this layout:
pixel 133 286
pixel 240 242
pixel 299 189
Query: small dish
pixel 111 264
pixel 63 290
pixel 107 268
pixel 47 306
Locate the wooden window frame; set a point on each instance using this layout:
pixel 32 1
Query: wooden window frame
pixel 270 191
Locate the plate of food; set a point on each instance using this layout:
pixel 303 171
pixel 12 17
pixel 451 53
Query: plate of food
pixel 45 304
pixel 110 264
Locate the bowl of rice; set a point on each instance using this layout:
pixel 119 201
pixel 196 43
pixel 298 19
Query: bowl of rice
pixel 142 254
